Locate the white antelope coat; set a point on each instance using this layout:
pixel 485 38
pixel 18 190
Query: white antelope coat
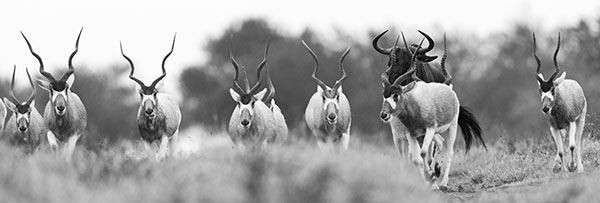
pixel 261 130
pixel 317 121
pixel 30 140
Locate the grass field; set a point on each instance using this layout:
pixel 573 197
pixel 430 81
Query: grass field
pixel 508 172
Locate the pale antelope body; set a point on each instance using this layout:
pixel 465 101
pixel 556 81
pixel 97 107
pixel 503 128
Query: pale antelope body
pixel 253 124
pixel 428 110
pixel 25 128
pixel 564 102
pixel 2 115
pixel 65 115
pixel 328 114
pixel 159 116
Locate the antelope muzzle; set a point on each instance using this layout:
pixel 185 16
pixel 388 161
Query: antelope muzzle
pixel 60 105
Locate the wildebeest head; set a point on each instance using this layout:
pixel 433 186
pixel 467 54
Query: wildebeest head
pixel 546 87
pixel 400 58
pixel 58 89
pixel 148 93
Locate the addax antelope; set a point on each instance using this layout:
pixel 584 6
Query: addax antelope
pixel 65 115
pixel 158 117
pixel 400 61
pixel 427 109
pixel 2 115
pixel 253 124
pixel 25 128
pixel 328 113
pixel 564 102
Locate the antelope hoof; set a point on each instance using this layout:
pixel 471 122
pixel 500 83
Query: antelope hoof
pixel 572 166
pixel 53 148
pixel 557 168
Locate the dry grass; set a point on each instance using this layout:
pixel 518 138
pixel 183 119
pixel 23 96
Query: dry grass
pixel 292 173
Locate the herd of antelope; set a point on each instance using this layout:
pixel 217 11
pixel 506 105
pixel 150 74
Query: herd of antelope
pixel 419 103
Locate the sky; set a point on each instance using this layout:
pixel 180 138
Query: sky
pixel 146 27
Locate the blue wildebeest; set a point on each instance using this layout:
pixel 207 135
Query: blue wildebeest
pixel 328 114
pixel 158 117
pixel 25 128
pixel 65 115
pixel 564 102
pixel 427 109
pixel 253 124
pixel 399 63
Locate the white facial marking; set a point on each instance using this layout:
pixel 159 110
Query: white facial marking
pixel 548 95
pixel 148 97
pixel 19 116
pixel 247 107
pixel 63 93
pixel 330 101
pixel 390 101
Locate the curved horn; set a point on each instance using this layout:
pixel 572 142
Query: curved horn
pixel 262 65
pixel 164 72
pixel 429 41
pixel 32 96
pixel 236 66
pixel 556 68
pixel 393 52
pixel 42 71
pixel 443 64
pixel 314 74
pixel 537 60
pixel 339 82
pixel 376 45
pixel 12 85
pixel 138 81
pixel 71 69
pixel 412 69
pixel 405 44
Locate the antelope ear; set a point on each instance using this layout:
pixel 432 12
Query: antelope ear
pixel 260 95
pixel 70 80
pixel 43 84
pixel 2 111
pixel 160 85
pixel 32 105
pixel 234 95
pixel 10 105
pixel 319 89
pixel 339 89
pixel 560 79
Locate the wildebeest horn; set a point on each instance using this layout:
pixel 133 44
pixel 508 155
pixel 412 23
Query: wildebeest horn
pixel 376 45
pixel 429 41
pixel 412 70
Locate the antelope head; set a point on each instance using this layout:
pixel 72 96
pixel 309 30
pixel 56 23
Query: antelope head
pixel 22 110
pixel 392 92
pixel 148 93
pixel 400 58
pixel 248 96
pixel 59 89
pixel 546 87
pixel 330 95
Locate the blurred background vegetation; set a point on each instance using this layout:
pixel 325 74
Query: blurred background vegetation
pixel 493 75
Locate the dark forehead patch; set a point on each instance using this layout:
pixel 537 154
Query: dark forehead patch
pixel 58 85
pixel 331 93
pixel 246 98
pixel 148 90
pixel 546 86
pixel 388 90
pixel 22 109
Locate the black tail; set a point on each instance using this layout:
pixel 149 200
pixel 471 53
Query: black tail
pixel 470 128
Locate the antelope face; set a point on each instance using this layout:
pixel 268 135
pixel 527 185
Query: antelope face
pixel 22 114
pixel 391 98
pixel 331 100
pixel 59 93
pixel 245 103
pixel 148 105
pixel 547 89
